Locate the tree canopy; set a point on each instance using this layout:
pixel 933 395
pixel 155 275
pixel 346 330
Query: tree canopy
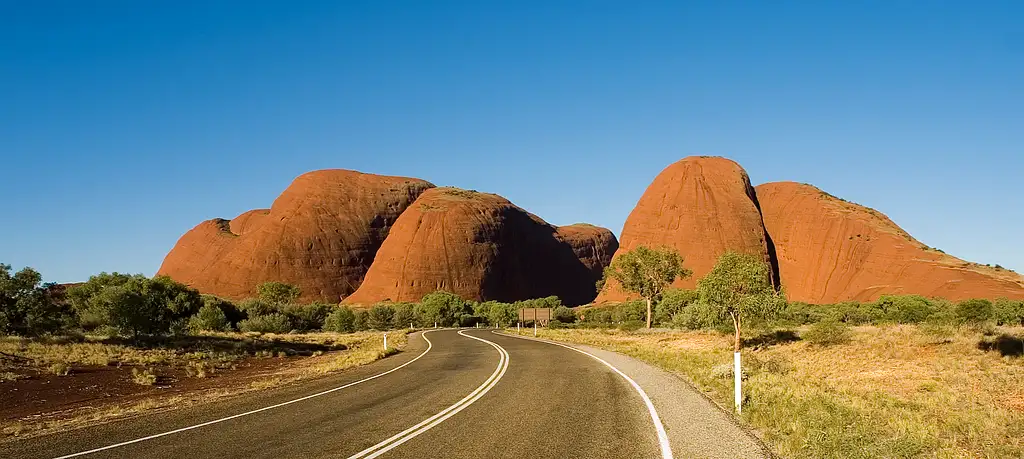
pixel 738 287
pixel 647 272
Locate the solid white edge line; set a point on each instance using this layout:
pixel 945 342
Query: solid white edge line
pixel 215 421
pixel 429 423
pixel 666 448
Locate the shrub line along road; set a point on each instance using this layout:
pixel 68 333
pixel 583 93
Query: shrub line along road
pixel 452 394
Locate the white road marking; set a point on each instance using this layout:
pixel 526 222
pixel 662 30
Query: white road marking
pixel 666 448
pixel 215 421
pixel 427 424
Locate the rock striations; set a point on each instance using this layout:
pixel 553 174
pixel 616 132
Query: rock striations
pixel 830 250
pixel 702 207
pixel 482 247
pixel 321 234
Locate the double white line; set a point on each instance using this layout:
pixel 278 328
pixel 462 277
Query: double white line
pixel 427 424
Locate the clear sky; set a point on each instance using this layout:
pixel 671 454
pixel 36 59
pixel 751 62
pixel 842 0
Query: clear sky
pixel 123 123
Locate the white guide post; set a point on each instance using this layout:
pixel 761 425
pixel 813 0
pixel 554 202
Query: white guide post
pixel 385 341
pixel 517 327
pixel 534 328
pixel 738 377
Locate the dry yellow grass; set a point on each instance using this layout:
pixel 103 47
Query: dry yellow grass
pixel 898 391
pixel 361 348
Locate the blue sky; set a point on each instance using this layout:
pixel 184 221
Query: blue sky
pixel 123 124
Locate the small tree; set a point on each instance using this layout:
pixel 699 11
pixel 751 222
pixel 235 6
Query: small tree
pixel 380 316
pixel 278 292
pixel 341 320
pixel 739 287
pixel 442 307
pixel 647 272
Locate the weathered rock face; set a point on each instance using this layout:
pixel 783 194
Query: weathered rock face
pixel 830 250
pixel 482 247
pixel 702 207
pixel 321 234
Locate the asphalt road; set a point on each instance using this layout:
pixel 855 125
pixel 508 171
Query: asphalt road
pixel 468 394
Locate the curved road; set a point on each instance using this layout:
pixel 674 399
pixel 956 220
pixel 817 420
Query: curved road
pixel 451 394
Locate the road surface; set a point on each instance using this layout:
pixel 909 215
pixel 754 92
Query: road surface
pixel 452 394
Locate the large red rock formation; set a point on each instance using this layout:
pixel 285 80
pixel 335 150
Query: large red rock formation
pixel 830 250
pixel 702 207
pixel 482 247
pixel 321 234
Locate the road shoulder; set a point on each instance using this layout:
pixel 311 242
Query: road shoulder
pixel 696 427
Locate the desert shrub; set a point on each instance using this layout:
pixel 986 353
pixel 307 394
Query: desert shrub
pixel 145 377
pixel 1008 312
pixel 799 313
pixel 359 320
pixel 631 325
pixel 975 311
pixel 629 311
pixel 442 307
pixel 564 315
pixel 198 369
pixel 209 318
pixel 278 293
pixel 502 314
pixel 827 333
pixel 905 309
pixel 672 301
pixel 340 320
pixel 404 316
pixel 60 368
pixel 231 310
pixel 773 363
pixel 380 317
pixel 134 305
pixel 307 317
pixel 270 323
pixel 556 324
pixel 28 307
pixel 253 307
pixel 597 316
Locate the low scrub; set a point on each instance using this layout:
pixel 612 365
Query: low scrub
pixel 827 333
pixel 270 323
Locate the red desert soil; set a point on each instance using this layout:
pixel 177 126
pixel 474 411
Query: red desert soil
pixel 321 234
pixel 482 247
pixel 700 206
pixel 830 250
pixel 44 395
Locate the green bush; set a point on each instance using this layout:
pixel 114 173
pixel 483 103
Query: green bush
pixel 905 309
pixel 307 317
pixel 28 307
pixel 231 311
pixel 629 311
pixel 134 305
pixel 340 320
pixel 564 315
pixel 556 324
pixel 672 302
pixel 1008 312
pixel 404 316
pixel 278 293
pixel 380 317
pixel 442 307
pixel 827 333
pixel 253 307
pixel 209 318
pixel 359 320
pixel 597 316
pixel 270 323
pixel 974 311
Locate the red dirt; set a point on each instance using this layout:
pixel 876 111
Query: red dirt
pixel 49 395
pixel 482 247
pixel 321 234
pixel 831 250
pixel 700 206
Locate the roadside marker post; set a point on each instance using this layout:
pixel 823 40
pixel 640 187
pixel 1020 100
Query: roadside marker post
pixel 535 328
pixel 738 379
pixel 385 341
pixel 517 327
